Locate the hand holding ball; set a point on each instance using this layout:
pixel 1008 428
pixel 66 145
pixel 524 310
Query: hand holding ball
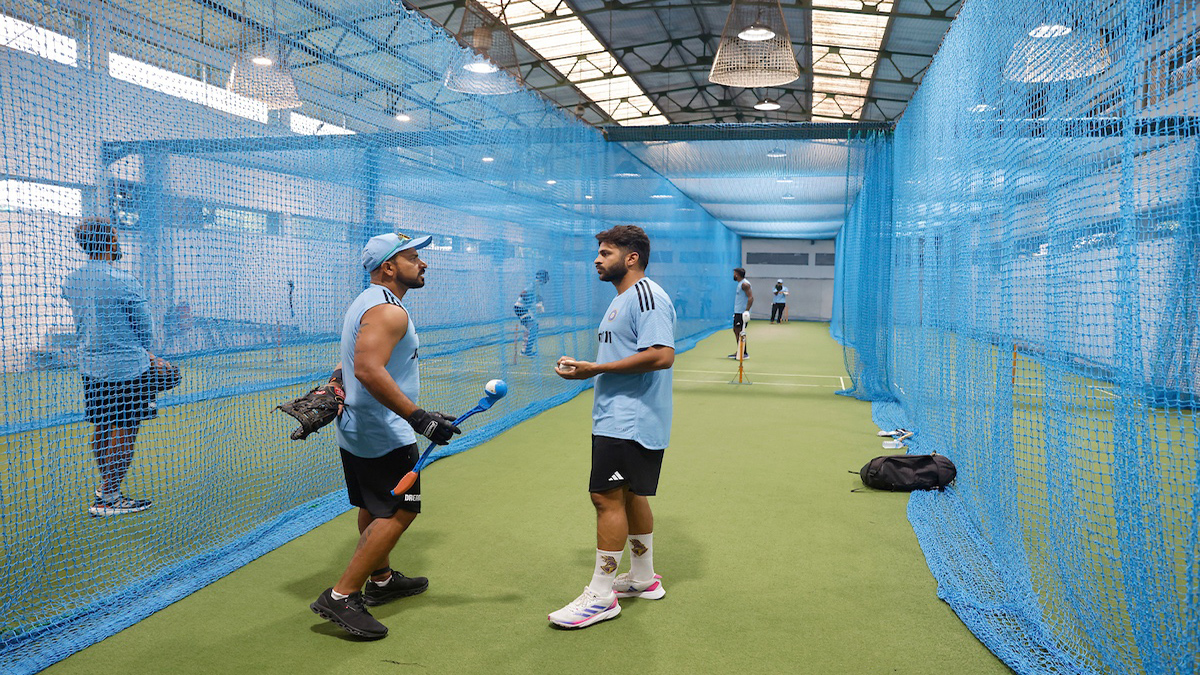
pixel 565 365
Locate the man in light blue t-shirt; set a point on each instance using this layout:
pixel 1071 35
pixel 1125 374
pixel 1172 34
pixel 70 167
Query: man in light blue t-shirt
pixel 631 424
pixel 527 307
pixel 743 300
pixel 780 304
pixel 121 378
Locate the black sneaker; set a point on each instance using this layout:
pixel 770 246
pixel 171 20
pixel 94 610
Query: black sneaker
pixel 399 586
pixel 350 614
pixel 119 506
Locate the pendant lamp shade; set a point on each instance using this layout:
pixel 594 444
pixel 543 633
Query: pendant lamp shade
pixel 1054 52
pixel 755 48
pixel 260 71
pixel 491 67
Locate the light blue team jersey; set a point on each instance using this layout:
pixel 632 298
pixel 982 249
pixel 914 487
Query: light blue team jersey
pixel 112 321
pixel 366 427
pixel 635 407
pixel 781 295
pixel 739 298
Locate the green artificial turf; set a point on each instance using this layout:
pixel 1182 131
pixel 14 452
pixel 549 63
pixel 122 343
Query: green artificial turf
pixel 771 563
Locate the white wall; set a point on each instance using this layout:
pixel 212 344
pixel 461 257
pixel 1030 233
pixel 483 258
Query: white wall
pixel 810 286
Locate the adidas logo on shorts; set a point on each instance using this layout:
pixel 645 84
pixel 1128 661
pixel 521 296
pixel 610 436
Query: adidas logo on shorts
pixel 616 476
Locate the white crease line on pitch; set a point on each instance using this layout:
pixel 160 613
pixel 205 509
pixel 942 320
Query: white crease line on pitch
pixel 726 372
pixel 768 384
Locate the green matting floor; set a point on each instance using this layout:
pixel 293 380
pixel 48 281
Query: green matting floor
pixel 771 563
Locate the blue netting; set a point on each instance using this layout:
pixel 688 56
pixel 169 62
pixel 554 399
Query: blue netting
pixel 1031 310
pixel 241 221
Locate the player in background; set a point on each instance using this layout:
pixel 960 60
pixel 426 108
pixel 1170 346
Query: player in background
pixel 377 432
pixel 120 376
pixel 781 293
pixel 631 424
pixel 527 307
pixel 743 300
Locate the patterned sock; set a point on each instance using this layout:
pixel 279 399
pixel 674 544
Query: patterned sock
pixel 641 562
pixel 605 572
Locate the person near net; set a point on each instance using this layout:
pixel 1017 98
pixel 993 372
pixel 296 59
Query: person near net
pixel 631 425
pixel 121 377
pixel 527 307
pixel 377 432
pixel 777 307
pixel 743 300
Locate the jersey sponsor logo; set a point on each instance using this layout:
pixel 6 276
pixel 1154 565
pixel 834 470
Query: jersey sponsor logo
pixel 605 337
pixel 613 314
pixel 616 476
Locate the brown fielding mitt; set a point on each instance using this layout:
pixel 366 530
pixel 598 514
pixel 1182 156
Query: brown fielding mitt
pixel 315 409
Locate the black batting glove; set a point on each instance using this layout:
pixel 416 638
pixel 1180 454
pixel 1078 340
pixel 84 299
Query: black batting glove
pixel 435 426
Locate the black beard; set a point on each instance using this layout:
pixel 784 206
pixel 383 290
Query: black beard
pixel 614 274
pixel 415 283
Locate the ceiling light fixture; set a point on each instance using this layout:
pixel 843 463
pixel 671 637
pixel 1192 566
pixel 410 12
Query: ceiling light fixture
pixel 1050 30
pixel 789 196
pixel 626 169
pixel 755 48
pixel 402 117
pixel 489 66
pixel 756 32
pixel 1054 52
pixel 661 196
pixel 776 153
pixel 488 159
pixel 481 66
pixel 767 104
pixel 981 107
pixel 551 182
pixel 260 69
pixel 783 180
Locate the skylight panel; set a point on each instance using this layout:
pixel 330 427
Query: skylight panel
pixel 31 39
pixel 303 124
pixel 145 75
pixel 858 37
pixel 562 41
pixel 20 195
pixel 840 85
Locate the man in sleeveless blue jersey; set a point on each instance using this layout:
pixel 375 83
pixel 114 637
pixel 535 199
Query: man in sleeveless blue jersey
pixel 743 300
pixel 120 376
pixel 631 424
pixel 377 432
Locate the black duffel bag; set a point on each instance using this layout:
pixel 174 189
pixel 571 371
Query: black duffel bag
pixel 905 473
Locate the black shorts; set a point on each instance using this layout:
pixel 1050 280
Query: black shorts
pixel 369 481
pixel 122 403
pixel 617 462
pixel 737 322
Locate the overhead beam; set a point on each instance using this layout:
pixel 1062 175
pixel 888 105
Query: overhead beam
pixel 746 132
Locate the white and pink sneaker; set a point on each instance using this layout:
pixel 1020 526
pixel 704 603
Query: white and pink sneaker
pixel 587 609
pixel 625 587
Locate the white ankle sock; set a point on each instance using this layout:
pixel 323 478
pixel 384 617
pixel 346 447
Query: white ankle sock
pixel 338 596
pixel 607 563
pixel 641 559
